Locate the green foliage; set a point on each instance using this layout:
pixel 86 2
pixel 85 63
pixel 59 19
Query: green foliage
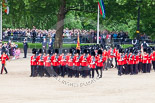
pixel 120 15
pixel 126 46
pixel 39 45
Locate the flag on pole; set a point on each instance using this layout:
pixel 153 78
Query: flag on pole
pixel 102 8
pixel 6 8
pixel 78 42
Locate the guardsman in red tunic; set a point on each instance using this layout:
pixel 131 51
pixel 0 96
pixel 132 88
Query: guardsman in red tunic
pixel 62 62
pixel 120 62
pixel 4 57
pixel 33 64
pixel 136 62
pixel 145 60
pixel 140 62
pixel 153 58
pixel 110 58
pixel 131 61
pixel 92 65
pixel 70 63
pixel 84 63
pixel 149 60
pixel 88 61
pixel 105 55
pixel 125 64
pixel 55 63
pixel 40 60
pixel 76 61
pixel 99 63
pixel 47 64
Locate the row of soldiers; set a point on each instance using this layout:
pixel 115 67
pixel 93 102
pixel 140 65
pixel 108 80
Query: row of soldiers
pixel 89 59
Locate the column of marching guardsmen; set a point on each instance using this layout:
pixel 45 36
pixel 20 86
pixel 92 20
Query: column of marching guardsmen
pixel 84 63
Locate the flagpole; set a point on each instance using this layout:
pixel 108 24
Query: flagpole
pixel 98 16
pixel 1 21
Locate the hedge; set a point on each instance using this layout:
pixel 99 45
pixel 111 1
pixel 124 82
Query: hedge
pixel 39 45
pixel 126 46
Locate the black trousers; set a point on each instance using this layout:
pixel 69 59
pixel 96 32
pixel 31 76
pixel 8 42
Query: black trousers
pixel 120 68
pixel 110 63
pixel 153 62
pixel 55 70
pixel 62 71
pixel 41 70
pixel 25 53
pixel 115 63
pixel 140 66
pixel 77 70
pixel 99 68
pixel 3 68
pixel 135 68
pixel 33 70
pixel 126 69
pixel 148 67
pixel 131 69
pixel 70 71
pixel 92 72
pixel 144 67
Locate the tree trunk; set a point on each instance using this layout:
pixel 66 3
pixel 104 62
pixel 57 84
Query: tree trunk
pixel 60 25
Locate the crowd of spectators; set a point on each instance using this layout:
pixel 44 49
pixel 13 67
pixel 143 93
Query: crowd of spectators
pixel 90 35
pixel 11 49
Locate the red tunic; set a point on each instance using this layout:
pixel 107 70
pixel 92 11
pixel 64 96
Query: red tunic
pixel 92 63
pixel 114 51
pixel 136 61
pixel 3 58
pixel 69 60
pixel 105 54
pixel 62 60
pixel 125 59
pixel 55 62
pixel 83 60
pixel 40 62
pixel 150 58
pixel 76 61
pixel 131 58
pixel 33 60
pixel 47 61
pixel 145 58
pixel 119 59
pixel 153 56
pixel 110 54
pixel 98 62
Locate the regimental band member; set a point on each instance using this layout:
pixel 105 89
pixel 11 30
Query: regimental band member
pixel 84 64
pixel 55 63
pixel 99 63
pixel 47 64
pixel 120 62
pixel 149 60
pixel 92 65
pixel 110 58
pixel 76 61
pixel 145 60
pixel 33 64
pixel 40 63
pixel 62 62
pixel 70 63
pixel 131 61
pixel 136 62
pixel 4 57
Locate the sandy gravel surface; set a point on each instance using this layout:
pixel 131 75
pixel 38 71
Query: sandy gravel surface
pixel 18 87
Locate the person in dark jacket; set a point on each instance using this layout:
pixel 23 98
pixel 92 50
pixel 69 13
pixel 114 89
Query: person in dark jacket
pixel 25 46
